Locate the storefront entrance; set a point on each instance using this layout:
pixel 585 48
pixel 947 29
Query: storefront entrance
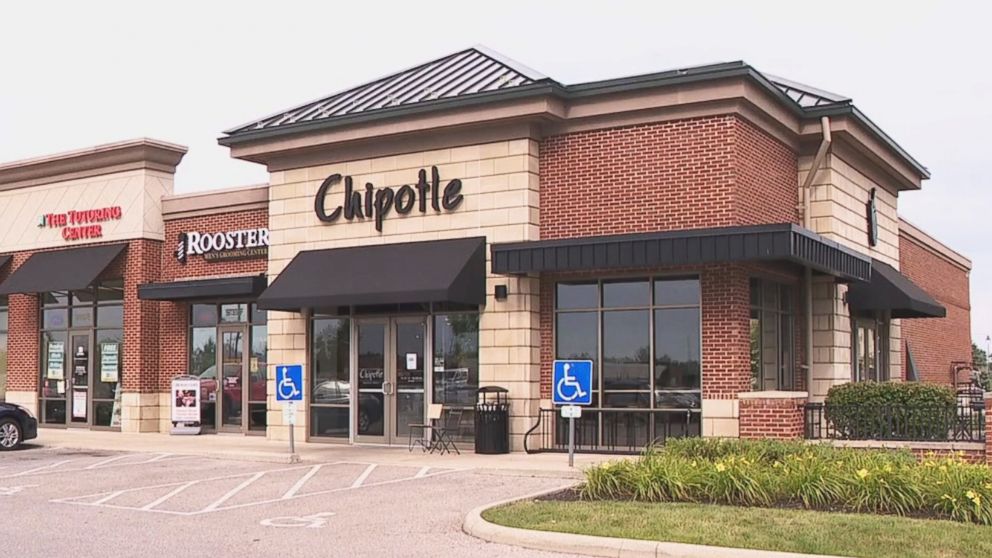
pixel 391 357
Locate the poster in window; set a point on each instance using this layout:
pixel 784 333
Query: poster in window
pixel 56 361
pixel 115 414
pixel 109 362
pixel 79 404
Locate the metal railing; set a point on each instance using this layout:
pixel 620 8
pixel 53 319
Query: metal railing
pixel 611 430
pixel 964 422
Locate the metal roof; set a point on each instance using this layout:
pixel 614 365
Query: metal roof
pixel 805 95
pixel 467 72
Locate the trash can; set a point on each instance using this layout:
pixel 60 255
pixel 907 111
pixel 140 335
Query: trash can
pixel 492 420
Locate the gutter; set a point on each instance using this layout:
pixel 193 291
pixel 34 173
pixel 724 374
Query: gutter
pixel 806 191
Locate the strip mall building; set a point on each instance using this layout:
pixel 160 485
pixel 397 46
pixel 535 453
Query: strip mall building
pixel 707 237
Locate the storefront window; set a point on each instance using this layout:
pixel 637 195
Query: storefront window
pixel 456 367
pixel 870 349
pixel 772 340
pixel 257 366
pixel 4 324
pixel 81 347
pixel 330 378
pixel 644 334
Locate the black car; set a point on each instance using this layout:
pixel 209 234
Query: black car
pixel 17 424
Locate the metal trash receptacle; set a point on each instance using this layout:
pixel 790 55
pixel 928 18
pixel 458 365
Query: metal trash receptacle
pixel 492 420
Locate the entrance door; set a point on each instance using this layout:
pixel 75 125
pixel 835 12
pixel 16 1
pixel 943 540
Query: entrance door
pixel 79 379
pixel 391 355
pixel 233 366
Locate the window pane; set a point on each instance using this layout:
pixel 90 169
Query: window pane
pixel 640 399
pixel 626 293
pixel 755 349
pixel 769 295
pixel 331 377
pixel 233 313
pixel 258 316
pixel 110 316
pixel 107 367
pixel 576 338
pixel 785 299
pixel 676 348
pixel 53 365
pixel 82 317
pixel 204 314
pixel 577 295
pixel 110 291
pixel 257 362
pixel 4 314
pixel 626 350
pixel 672 292
pixel 82 298
pixel 755 292
pixel 203 354
pixel 56 298
pixel 456 358
pixel 769 350
pixel 329 421
pixel 55 318
pixel 785 352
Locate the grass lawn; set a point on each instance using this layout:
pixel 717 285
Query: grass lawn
pixel 843 534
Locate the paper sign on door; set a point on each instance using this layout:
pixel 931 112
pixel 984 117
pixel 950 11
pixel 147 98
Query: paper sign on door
pixel 411 361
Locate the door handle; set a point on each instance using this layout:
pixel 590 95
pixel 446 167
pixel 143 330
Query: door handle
pixel 387 388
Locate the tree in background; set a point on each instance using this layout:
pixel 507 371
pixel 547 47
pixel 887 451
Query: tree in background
pixel 980 360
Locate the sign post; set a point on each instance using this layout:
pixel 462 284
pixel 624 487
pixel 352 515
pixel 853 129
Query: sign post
pixel 289 390
pixel 572 381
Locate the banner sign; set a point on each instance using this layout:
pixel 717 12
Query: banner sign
pixel 56 361
pixel 109 362
pixel 185 399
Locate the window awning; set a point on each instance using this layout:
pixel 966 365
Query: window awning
pixel 61 270
pixel 247 287
pixel 412 272
pixel 889 290
pixel 782 242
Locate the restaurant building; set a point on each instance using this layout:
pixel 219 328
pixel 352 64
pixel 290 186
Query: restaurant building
pixel 709 237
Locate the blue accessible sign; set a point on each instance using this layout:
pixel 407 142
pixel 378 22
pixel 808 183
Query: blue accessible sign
pixel 289 382
pixel 572 382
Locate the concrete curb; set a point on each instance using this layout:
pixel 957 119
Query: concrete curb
pixel 587 545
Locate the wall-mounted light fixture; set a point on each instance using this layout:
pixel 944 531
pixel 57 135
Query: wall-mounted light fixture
pixel 501 292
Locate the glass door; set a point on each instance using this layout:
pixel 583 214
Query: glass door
pixel 370 412
pixel 408 355
pixel 79 379
pixel 391 356
pixel 233 364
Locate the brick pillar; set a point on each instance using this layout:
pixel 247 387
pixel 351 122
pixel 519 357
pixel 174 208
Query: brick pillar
pixel 726 345
pixel 140 400
pixel 776 415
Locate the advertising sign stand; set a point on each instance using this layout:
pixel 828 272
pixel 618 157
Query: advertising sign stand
pixel 289 390
pixel 185 396
pixel 572 381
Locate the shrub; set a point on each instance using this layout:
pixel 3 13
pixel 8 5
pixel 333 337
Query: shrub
pixel 885 411
pixel 817 476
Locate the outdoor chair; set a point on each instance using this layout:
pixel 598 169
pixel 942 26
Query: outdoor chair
pixel 435 434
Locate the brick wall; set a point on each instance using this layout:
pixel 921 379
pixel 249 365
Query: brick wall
pixel 22 336
pixel 703 172
pixel 936 342
pixel 775 418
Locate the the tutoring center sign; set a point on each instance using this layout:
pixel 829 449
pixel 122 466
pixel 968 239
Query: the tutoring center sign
pixel 375 203
pixel 221 246
pixel 80 225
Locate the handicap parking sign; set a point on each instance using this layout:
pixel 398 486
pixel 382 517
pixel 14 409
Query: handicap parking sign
pixel 289 382
pixel 572 382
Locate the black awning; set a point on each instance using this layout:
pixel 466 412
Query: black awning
pixel 61 270
pixel 889 290
pixel 247 287
pixel 411 272
pixel 783 242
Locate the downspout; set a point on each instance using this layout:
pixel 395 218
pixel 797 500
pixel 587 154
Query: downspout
pixel 805 190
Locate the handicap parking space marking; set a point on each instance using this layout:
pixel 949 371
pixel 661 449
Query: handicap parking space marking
pixel 222 503
pixel 11 490
pixel 82 464
pixel 307 521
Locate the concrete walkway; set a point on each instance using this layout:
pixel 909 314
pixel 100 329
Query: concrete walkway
pixel 257 448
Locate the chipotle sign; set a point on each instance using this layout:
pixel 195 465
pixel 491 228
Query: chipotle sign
pixel 79 225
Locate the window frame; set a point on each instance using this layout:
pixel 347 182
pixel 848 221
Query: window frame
pixel 651 308
pixel 785 376
pixel 880 326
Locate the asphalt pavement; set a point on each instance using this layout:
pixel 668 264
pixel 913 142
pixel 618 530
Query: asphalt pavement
pixel 82 503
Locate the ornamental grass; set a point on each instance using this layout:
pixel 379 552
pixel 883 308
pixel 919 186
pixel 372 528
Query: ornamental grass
pixel 794 474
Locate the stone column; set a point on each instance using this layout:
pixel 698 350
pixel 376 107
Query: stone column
pixel 776 415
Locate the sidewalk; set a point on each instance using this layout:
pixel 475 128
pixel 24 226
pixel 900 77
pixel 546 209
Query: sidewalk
pixel 257 448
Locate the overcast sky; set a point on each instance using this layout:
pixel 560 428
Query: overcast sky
pixel 83 73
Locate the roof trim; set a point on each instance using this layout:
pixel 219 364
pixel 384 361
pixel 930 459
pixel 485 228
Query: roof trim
pixel 930 243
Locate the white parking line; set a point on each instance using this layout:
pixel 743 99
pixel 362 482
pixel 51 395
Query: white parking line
pixel 42 468
pixel 105 461
pixel 163 498
pixel 116 461
pixel 299 484
pixel 365 474
pixel 293 493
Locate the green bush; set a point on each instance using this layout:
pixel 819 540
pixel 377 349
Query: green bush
pixel 888 411
pixel 817 476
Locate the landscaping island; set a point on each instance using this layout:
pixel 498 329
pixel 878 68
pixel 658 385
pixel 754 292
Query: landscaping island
pixel 783 496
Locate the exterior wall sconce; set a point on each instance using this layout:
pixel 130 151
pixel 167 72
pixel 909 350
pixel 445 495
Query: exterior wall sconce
pixel 501 292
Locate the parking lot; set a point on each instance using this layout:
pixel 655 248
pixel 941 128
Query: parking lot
pixel 93 503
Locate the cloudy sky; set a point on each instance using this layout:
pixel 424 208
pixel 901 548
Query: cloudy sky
pixel 80 73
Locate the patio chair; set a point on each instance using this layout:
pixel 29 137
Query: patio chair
pixel 435 431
